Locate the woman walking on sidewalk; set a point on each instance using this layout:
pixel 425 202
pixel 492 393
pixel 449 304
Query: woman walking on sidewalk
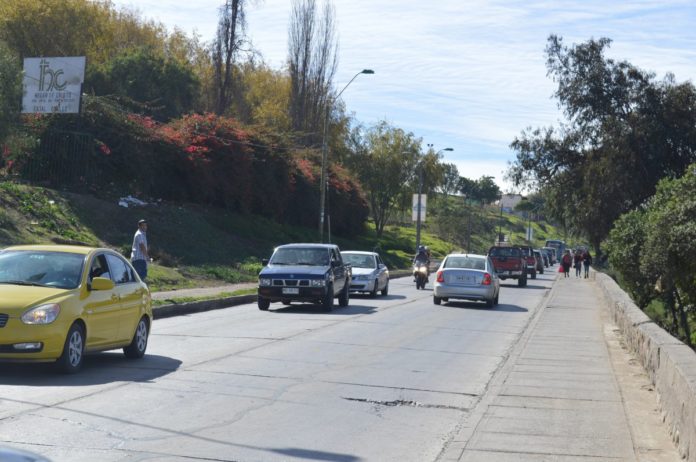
pixel 577 263
pixel 566 261
pixel 586 262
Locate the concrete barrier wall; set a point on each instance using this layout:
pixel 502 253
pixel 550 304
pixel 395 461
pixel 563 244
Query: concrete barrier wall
pixel 670 364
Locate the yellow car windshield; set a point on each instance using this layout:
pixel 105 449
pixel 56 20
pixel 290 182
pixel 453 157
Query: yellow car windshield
pixel 40 268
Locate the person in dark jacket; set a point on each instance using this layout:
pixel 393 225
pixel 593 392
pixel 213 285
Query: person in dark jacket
pixel 586 262
pixel 577 263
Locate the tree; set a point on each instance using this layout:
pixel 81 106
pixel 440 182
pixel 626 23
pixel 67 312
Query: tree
pixel 624 132
pixel 312 61
pixel 386 164
pixel 226 47
pixel 163 88
pixel 10 90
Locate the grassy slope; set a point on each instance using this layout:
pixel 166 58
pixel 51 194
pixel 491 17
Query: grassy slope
pixel 194 246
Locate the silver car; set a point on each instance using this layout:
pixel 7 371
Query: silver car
pixel 370 274
pixel 466 277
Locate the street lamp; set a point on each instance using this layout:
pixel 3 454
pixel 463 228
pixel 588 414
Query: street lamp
pixel 325 155
pixel 420 192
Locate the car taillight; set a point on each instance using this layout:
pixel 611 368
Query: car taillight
pixel 486 279
pixel 440 277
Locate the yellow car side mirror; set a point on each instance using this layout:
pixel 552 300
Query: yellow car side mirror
pixel 102 284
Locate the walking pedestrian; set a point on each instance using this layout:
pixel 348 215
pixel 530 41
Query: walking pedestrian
pixel 587 261
pixel 566 261
pixel 139 251
pixel 577 262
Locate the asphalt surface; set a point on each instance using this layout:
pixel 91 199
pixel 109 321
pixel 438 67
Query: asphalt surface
pixel 393 378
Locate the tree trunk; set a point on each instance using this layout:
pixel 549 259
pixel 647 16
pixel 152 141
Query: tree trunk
pixel 683 319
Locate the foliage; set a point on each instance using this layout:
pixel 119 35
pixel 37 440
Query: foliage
pixel 385 162
pixel 225 50
pixel 624 131
pixel 661 239
pixel 160 88
pixel 10 91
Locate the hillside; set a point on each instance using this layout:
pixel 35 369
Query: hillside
pixel 197 246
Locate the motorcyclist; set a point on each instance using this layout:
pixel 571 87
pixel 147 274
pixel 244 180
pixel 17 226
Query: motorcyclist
pixel 422 258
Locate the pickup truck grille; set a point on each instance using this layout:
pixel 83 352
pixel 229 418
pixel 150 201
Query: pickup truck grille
pixel 3 320
pixel 291 282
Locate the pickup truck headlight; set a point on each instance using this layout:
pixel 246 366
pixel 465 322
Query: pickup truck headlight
pixel 317 282
pixel 265 282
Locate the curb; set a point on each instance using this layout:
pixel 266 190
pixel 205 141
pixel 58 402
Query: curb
pixel 670 364
pixel 180 309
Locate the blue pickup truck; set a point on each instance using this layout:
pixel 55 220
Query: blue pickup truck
pixel 308 273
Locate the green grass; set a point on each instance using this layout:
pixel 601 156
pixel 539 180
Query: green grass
pixel 180 300
pixel 197 246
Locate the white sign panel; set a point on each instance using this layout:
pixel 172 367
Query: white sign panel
pixel 53 85
pixel 424 200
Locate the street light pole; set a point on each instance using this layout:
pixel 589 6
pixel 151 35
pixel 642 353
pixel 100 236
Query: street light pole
pixel 323 186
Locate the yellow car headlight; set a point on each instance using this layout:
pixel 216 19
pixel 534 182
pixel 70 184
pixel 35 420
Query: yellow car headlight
pixel 43 314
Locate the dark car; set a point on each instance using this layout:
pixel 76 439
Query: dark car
pixel 308 273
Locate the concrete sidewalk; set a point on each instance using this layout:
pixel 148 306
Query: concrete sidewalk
pixel 567 392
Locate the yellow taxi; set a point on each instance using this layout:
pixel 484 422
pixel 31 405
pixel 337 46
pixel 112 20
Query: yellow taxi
pixel 58 303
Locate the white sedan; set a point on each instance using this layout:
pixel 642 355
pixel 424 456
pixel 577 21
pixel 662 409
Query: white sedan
pixel 466 277
pixel 370 274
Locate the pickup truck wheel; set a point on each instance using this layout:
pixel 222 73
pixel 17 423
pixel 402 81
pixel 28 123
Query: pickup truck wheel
pixel 263 303
pixel 534 274
pixel 436 300
pixel 522 282
pixel 385 291
pixel 344 297
pixel 327 303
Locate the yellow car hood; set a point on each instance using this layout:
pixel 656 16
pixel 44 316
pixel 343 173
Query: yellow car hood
pixel 14 299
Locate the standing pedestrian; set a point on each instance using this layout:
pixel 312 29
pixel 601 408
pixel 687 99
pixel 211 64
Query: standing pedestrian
pixel 566 262
pixel 577 262
pixel 587 261
pixel 139 252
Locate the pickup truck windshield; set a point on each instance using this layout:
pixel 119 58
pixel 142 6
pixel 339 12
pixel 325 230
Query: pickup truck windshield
pixel 301 256
pixel 504 252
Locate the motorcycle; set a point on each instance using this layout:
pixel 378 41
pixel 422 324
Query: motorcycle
pixel 420 274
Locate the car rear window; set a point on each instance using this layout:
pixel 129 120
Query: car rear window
pixel 504 252
pixel 465 263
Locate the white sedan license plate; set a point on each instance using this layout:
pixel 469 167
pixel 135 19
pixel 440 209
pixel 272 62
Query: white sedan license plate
pixel 291 290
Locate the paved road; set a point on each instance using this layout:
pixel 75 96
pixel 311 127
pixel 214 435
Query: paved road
pixel 387 379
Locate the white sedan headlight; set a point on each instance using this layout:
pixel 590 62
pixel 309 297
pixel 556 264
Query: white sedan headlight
pixel 43 314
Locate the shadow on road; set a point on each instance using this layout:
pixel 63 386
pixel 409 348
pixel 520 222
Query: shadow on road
pixel 378 297
pixel 482 307
pixel 316 309
pixel 98 369
pixel 308 454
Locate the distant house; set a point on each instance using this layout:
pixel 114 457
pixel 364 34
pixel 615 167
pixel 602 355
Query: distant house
pixel 509 201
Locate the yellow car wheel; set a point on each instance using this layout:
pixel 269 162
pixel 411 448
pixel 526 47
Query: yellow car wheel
pixel 73 355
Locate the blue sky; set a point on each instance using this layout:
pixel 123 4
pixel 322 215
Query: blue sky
pixel 466 74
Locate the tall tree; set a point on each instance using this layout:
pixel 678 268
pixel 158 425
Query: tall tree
pixel 226 48
pixel 624 131
pixel 312 61
pixel 10 90
pixel 386 166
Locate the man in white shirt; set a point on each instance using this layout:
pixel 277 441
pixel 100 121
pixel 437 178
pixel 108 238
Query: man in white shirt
pixel 139 254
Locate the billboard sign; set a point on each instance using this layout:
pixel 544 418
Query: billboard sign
pixel 53 85
pixel 424 200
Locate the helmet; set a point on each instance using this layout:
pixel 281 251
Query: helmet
pixel 421 248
